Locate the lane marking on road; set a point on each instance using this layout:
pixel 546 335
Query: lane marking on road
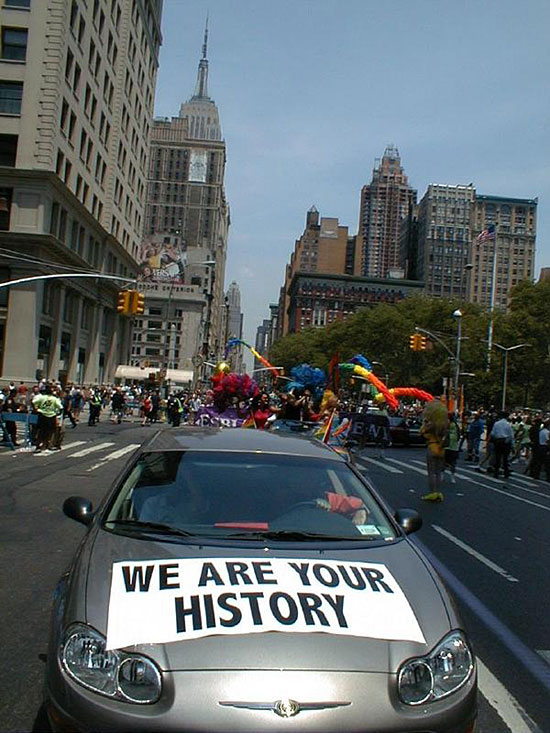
pixel 493 488
pixel 503 702
pixel 408 465
pixel 113 456
pixel 381 464
pixel 544 653
pixel 73 445
pixel 92 449
pixel 488 477
pixel 529 659
pixel 474 553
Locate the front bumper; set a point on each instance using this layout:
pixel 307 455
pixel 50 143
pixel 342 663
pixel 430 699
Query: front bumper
pixel 191 702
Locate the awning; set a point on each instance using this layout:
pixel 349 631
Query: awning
pixel 175 376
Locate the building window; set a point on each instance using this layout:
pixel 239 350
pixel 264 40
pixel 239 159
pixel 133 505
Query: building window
pixel 11 95
pixel 8 150
pixel 17 3
pixel 14 44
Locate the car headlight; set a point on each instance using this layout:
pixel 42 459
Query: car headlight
pixel 129 677
pixel 439 673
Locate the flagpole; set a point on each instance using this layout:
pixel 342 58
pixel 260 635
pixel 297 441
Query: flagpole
pixel 490 328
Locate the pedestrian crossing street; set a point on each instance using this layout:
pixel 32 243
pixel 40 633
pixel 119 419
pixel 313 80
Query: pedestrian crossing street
pixel 101 453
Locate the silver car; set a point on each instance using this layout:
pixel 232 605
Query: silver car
pixel 237 580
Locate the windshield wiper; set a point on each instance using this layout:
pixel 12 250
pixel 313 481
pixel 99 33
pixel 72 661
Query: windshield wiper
pixel 155 527
pixel 289 534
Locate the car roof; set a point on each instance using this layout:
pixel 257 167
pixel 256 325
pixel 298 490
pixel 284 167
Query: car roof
pixel 238 439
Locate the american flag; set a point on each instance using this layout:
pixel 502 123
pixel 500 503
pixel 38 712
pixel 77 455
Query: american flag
pixel 487 234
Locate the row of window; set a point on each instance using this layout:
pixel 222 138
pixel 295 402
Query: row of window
pixel 82 242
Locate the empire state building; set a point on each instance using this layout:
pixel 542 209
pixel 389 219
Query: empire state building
pixel 187 211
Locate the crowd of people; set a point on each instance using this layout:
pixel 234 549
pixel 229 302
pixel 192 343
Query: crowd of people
pixel 491 442
pixel 494 441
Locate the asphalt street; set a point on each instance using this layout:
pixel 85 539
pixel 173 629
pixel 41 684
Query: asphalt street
pixel 488 540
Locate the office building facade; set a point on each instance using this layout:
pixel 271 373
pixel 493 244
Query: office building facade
pixel 234 329
pixel 443 240
pixel 77 84
pixel 185 239
pixel 385 202
pixel 317 300
pixel 324 247
pixel 503 260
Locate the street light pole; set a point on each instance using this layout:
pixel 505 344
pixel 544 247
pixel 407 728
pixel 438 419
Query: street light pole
pixel 458 316
pixel 505 370
pixel 386 373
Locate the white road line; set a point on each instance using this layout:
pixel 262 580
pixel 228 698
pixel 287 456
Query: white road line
pixel 505 704
pixel 408 465
pixel 92 449
pixel 488 477
pixel 476 554
pixel 73 445
pixel 113 456
pixel 491 488
pixel 381 464
pixel 545 654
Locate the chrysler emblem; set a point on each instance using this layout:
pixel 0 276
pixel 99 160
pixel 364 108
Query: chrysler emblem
pixel 286 708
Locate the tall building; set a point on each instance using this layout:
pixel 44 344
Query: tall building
pixel 185 240
pixel 234 324
pixel 502 261
pixel 385 201
pixel 77 85
pixel 444 240
pixel 324 247
pixel 266 335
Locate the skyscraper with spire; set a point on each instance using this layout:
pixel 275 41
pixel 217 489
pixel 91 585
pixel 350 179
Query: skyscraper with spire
pixel 186 221
pixel 200 110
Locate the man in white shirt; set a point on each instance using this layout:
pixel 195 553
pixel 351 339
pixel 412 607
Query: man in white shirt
pixel 502 437
pixel 541 452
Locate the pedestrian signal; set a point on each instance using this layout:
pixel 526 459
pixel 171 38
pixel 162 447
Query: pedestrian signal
pixel 123 302
pixel 138 303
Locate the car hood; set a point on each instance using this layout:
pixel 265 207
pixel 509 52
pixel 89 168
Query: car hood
pixel 427 597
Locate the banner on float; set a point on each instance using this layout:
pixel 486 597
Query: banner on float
pixel 210 417
pixel 160 601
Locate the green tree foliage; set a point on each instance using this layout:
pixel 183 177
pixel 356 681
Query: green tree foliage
pixel 381 333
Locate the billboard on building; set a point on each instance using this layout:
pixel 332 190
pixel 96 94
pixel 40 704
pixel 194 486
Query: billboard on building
pixel 163 259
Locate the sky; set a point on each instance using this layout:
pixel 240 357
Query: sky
pixel 310 92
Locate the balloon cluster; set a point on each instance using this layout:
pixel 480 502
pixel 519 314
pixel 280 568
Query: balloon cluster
pixel 231 388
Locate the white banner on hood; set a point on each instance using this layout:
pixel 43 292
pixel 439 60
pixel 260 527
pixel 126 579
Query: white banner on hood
pixel 159 601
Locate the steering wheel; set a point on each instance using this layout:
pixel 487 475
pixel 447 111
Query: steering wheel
pixel 311 503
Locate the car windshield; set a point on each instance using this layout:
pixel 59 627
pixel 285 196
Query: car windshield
pixel 246 495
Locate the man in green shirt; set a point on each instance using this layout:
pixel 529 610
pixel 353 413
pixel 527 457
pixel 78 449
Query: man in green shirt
pixel 48 407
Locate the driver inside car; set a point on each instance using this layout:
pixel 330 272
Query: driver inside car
pixel 180 503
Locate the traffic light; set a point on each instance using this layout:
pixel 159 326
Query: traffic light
pixel 138 303
pixel 422 343
pixel 414 343
pixel 123 302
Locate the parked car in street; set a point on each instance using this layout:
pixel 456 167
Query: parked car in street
pixel 406 431
pixel 242 580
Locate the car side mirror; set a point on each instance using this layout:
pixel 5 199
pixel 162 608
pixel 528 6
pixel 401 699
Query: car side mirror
pixel 79 509
pixel 408 519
